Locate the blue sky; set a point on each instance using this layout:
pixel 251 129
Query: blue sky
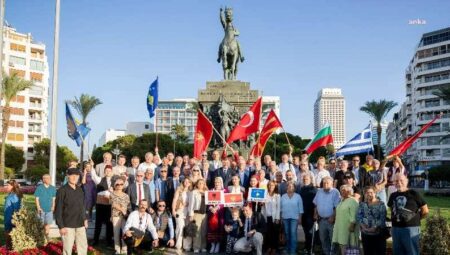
pixel 113 49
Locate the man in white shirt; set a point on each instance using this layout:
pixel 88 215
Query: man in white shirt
pixel 120 168
pixel 216 163
pixel 320 172
pixel 100 168
pixel 148 162
pixel 139 220
pixel 286 165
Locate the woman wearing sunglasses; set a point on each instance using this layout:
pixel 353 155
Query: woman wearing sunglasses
pixel 120 206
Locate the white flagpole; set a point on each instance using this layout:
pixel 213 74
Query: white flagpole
pixel 53 138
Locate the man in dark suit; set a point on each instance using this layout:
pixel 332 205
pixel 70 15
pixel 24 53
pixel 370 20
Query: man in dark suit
pixel 131 171
pixel 225 172
pixel 102 207
pixel 253 230
pixel 209 174
pixel 244 173
pixel 172 184
pixel 138 191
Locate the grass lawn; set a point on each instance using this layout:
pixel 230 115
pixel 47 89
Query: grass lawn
pixel 434 203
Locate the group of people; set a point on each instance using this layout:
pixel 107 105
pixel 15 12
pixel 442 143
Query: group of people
pixel 162 202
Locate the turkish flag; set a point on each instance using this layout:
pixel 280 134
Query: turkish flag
pixel 203 134
pixel 401 148
pixel 248 124
pixel 270 126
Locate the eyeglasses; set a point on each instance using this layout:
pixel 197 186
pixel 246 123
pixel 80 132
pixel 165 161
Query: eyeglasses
pixel 161 206
pixel 119 184
pixel 163 171
pixel 196 170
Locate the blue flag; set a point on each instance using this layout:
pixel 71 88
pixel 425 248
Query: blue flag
pixel 361 143
pixel 75 132
pixel 257 194
pixel 152 98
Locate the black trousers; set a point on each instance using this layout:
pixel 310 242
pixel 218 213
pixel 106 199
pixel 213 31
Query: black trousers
pixel 103 216
pixel 272 234
pixel 307 224
pixel 144 245
pixel 373 244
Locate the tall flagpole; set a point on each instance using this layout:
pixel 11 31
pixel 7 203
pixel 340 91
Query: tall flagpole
pixel 54 96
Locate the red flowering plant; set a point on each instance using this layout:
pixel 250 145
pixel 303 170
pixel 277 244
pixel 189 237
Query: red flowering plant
pixel 52 248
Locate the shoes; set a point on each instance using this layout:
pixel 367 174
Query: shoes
pixel 217 249
pixel 204 250
pixel 196 251
pixel 213 248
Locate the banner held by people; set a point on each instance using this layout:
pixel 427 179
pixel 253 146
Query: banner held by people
pixel 214 197
pixel 233 199
pixel 257 195
pixel 271 125
pixel 76 132
pixel 402 147
pixel 322 138
pixel 203 134
pixel 360 143
pixel 248 124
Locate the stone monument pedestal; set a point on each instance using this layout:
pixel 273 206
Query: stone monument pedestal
pixel 224 102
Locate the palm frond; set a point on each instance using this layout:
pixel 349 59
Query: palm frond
pixel 443 92
pixel 378 109
pixel 85 104
pixel 12 85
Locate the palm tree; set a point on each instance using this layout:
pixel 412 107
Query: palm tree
pixel 378 111
pixel 84 105
pixel 11 86
pixel 179 132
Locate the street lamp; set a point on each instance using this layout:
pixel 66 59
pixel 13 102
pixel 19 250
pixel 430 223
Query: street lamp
pixel 116 152
pixel 173 136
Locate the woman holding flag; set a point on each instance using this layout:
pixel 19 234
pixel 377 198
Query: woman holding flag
pixel 216 219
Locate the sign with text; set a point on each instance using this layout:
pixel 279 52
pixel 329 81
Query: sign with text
pixel 214 197
pixel 233 199
pixel 257 195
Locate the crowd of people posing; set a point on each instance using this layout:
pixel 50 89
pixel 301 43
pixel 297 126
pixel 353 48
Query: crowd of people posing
pixel 162 202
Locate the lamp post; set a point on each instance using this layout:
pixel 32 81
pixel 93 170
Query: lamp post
pixel 173 136
pixel 116 152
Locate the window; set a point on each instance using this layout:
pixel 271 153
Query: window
pixel 20 73
pixel 146 126
pixel 17 47
pixel 17 60
pixel 435 152
pixel 446 152
pixel 37 65
pixel 432 103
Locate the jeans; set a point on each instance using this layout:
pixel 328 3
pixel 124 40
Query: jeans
pixel 406 240
pixel 326 235
pixel 290 231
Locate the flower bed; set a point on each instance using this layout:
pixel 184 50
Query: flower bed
pixel 52 248
pixel 24 189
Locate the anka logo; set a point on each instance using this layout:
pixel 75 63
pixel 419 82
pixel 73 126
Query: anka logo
pixel 417 22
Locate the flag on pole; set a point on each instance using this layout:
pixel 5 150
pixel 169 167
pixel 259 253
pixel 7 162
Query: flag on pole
pixel 152 98
pixel 271 125
pixel 76 132
pixel 361 143
pixel 402 147
pixel 248 124
pixel 322 138
pixel 203 134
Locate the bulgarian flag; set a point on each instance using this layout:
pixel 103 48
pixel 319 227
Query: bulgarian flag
pixel 322 138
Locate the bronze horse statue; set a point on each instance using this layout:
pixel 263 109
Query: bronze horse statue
pixel 229 50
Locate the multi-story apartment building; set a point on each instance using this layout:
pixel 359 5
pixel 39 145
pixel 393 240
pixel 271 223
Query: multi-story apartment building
pixel 27 58
pixel 428 70
pixel 330 108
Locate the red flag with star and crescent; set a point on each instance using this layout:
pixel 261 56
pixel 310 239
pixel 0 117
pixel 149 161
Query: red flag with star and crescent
pixel 203 134
pixel 248 124
pixel 270 126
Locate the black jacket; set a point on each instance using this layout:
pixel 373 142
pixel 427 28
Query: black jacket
pixel 258 224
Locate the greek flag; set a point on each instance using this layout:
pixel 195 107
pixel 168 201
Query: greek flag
pixel 361 143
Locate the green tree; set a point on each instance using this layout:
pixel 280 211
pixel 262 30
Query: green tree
pixel 11 86
pixel 42 157
pixel 180 133
pixel 14 158
pixel 378 111
pixel 35 173
pixel 9 173
pixel 84 105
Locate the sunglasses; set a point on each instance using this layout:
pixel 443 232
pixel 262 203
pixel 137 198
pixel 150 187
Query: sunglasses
pixel 163 171
pixel 119 184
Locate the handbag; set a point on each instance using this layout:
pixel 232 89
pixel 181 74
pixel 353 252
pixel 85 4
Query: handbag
pixel 352 250
pixel 190 230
